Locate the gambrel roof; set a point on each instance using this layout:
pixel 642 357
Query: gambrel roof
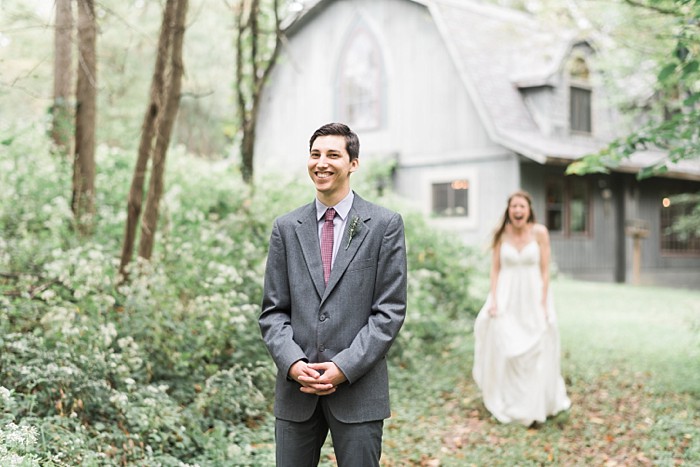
pixel 497 51
pixel 493 48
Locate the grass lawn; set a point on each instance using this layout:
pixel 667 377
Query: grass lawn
pixel 631 359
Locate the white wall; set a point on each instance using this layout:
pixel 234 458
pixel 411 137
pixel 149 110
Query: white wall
pixel 491 180
pixel 428 112
pixel 429 123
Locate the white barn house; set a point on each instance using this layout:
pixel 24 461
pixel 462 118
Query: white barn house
pixel 474 101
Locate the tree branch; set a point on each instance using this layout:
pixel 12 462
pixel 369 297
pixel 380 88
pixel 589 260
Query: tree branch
pixel 655 8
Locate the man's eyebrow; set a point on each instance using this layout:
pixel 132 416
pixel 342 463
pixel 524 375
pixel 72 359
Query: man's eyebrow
pixel 329 151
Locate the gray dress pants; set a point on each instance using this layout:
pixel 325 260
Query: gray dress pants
pixel 298 444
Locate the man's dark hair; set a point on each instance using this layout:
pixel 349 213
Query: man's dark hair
pixel 352 142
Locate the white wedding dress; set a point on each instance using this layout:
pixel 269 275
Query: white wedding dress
pixel 517 353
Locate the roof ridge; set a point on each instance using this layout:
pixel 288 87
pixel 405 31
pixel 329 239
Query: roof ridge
pixel 490 9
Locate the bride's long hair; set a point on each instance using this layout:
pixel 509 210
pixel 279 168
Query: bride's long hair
pixel 498 233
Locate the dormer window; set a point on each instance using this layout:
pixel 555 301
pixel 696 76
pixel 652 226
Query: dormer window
pixel 580 109
pixel 580 115
pixel 360 82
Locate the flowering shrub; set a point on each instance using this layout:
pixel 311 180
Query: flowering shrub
pixel 16 443
pixel 167 368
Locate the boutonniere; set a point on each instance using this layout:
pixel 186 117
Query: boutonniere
pixel 355 227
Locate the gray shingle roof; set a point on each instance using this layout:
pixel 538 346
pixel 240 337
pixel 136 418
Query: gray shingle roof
pixel 497 49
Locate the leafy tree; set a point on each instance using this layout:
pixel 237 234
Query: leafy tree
pixel 676 128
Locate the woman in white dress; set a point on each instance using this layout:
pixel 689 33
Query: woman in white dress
pixel 517 353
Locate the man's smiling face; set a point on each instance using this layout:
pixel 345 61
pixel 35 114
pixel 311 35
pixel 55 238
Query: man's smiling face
pixel 330 168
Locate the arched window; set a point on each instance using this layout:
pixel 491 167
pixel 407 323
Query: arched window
pixel 360 82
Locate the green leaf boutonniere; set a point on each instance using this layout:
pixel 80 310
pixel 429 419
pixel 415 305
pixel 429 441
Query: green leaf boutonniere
pixel 355 227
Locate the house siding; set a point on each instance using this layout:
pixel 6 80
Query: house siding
pixel 450 110
pixel 492 178
pixel 594 256
pixel 659 267
pixel 428 118
pixel 590 255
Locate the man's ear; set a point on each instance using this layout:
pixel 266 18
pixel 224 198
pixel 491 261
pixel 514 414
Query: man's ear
pixel 354 165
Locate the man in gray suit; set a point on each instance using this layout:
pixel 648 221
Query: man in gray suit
pixel 334 301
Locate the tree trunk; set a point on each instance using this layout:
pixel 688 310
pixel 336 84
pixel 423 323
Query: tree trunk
pixel 249 99
pixel 148 127
pixel 83 202
pixel 62 76
pixel 248 146
pixel 163 132
pixel 246 159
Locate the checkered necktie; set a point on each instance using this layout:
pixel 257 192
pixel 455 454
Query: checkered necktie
pixel 327 243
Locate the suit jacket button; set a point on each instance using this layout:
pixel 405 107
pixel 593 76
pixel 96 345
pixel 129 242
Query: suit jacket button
pixel 321 349
pixel 323 317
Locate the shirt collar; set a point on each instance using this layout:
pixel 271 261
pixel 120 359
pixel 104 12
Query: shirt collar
pixel 342 208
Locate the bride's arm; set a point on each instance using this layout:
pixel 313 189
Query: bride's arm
pixel 495 269
pixel 542 236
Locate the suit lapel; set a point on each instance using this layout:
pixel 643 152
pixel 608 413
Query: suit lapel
pixel 307 233
pixel 345 255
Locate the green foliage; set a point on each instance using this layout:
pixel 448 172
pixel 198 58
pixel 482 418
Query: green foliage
pixel 671 119
pixel 676 130
pixel 126 49
pixel 439 286
pixel 167 368
pixel 678 136
pixel 17 442
pixel 687 225
pixel 235 385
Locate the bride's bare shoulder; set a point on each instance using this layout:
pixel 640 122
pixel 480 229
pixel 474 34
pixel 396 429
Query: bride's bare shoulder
pixel 540 232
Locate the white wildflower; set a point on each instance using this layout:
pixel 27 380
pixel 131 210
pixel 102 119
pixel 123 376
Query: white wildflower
pixel 119 399
pixel 108 332
pixel 48 295
pixel 5 395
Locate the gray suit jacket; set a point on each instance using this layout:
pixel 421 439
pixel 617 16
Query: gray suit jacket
pixel 352 321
